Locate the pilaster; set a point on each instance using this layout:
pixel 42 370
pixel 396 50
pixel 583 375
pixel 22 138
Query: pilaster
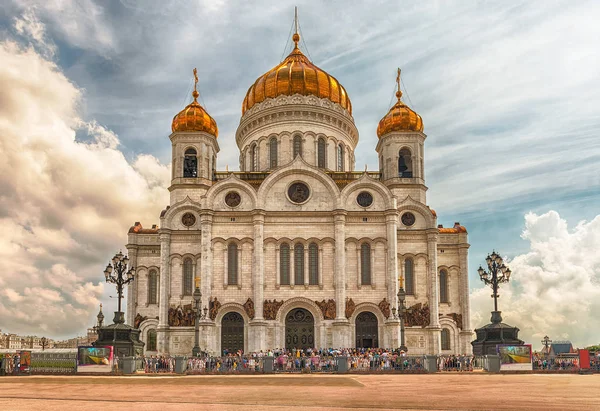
pixel 165 277
pixel 432 266
pixel 206 273
pixel 132 288
pixel 258 220
pixel 340 264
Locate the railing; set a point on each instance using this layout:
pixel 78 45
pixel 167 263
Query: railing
pixel 340 177
pixel 459 363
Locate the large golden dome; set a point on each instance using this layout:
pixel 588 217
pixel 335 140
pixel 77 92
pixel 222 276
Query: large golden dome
pixel 193 117
pixel 400 117
pixel 296 75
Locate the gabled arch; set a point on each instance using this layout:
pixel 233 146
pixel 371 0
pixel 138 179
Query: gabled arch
pixel 408 204
pixel 187 204
pixel 367 182
pixel 296 167
pixel 231 182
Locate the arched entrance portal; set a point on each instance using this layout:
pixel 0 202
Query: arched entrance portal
pixel 366 330
pixel 232 332
pixel 299 329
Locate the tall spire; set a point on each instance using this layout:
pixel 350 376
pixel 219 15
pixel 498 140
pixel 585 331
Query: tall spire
pixel 399 92
pixel 195 92
pixel 296 36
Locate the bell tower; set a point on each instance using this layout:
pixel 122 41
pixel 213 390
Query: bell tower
pixel 194 150
pixel 400 150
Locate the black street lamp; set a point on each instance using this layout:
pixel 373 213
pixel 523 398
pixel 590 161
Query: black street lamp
pixel 401 313
pixel 44 343
pixel 121 277
pixel 197 295
pixel 498 273
pixel 546 342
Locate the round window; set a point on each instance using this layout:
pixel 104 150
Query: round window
pixel 233 199
pixel 364 199
pixel 408 219
pixel 298 193
pixel 188 219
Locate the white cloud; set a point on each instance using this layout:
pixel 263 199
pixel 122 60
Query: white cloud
pixel 65 205
pixel 30 26
pixel 555 286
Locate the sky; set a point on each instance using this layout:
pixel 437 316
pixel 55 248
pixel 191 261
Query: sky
pixel 508 92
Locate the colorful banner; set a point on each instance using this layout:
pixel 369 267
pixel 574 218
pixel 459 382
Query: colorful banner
pixel 515 357
pixel 94 359
pixel 25 362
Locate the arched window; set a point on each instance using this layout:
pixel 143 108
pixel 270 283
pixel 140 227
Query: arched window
pixel 190 163
pixel 446 339
pixel 321 152
pixel 253 158
pixel 152 287
pixel 340 157
pixel 313 264
pixel 405 163
pixel 297 146
pixel 284 264
pixel 409 277
pixel 298 264
pixel 365 264
pixel 232 264
pixel 188 276
pixel 273 152
pixel 443 286
pixel 151 340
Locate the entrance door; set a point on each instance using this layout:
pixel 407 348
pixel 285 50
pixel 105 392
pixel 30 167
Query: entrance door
pixel 366 330
pixel 299 329
pixel 232 332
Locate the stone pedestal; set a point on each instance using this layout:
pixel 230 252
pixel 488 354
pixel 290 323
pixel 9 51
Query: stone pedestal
pixel 341 334
pixel 391 334
pixel 207 340
pixel 490 335
pixel 257 334
pixel 124 339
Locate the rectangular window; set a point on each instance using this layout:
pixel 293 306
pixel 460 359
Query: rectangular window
pixel 313 264
pixel 299 264
pixel 232 264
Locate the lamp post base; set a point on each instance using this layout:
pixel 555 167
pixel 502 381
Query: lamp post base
pixel 196 351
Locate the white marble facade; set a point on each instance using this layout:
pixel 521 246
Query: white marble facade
pixel 327 232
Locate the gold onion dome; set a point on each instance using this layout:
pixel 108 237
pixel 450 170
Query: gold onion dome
pixel 400 117
pixel 193 117
pixel 296 75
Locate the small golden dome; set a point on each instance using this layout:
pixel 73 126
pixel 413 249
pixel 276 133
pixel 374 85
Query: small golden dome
pixel 296 75
pixel 193 117
pixel 400 117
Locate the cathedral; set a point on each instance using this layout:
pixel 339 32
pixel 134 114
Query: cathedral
pixel 297 249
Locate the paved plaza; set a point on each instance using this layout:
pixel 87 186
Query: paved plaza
pixel 473 391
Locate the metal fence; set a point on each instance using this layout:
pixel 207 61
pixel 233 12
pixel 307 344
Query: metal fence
pixel 53 363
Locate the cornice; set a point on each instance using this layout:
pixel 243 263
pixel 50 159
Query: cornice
pixel 294 108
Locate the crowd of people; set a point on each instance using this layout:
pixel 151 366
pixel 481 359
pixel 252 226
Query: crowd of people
pixel 158 364
pixel 325 360
pixel 543 363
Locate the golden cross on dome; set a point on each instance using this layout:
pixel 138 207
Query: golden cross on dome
pixel 296 36
pixel 401 281
pixel 399 92
pixel 197 282
pixel 195 92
